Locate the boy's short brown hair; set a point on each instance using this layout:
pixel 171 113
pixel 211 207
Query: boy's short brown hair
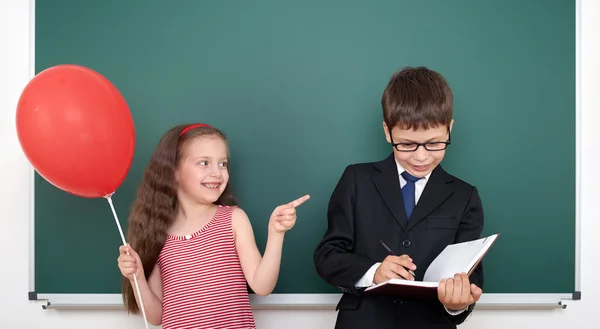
pixel 417 98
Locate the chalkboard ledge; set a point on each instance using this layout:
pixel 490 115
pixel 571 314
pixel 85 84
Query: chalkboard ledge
pixel 306 301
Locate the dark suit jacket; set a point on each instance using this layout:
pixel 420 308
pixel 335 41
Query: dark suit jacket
pixel 365 207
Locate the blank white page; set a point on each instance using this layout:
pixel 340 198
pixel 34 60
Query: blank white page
pixel 458 258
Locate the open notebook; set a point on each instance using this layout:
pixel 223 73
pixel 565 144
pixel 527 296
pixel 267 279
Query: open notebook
pixel 455 258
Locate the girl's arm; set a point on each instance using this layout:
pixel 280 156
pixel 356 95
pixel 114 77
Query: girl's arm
pixel 261 272
pixel 151 291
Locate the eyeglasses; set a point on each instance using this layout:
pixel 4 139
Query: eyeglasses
pixel 429 146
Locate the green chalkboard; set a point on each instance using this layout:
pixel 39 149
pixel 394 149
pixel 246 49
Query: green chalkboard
pixel 296 85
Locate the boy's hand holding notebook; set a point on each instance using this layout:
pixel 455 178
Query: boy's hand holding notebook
pixel 456 258
pixel 458 293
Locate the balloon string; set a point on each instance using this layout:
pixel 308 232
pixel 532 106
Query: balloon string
pixel 137 287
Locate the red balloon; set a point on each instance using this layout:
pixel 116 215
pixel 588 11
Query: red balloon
pixel 76 130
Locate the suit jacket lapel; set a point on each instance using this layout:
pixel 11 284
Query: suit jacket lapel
pixel 387 181
pixel 437 190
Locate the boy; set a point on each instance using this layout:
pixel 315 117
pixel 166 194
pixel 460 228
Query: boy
pixel 411 204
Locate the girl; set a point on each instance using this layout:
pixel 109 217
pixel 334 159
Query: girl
pixel 192 249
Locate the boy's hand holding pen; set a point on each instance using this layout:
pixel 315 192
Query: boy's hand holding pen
pixel 394 267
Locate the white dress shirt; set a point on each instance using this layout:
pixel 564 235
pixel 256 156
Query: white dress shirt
pixel 367 279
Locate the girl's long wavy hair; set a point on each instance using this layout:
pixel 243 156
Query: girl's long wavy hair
pixel 155 206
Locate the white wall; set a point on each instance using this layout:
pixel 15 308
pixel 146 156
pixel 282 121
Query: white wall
pixel 17 312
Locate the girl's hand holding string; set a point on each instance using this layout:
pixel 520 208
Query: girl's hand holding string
pixel 130 263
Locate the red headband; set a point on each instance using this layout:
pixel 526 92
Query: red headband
pixel 190 127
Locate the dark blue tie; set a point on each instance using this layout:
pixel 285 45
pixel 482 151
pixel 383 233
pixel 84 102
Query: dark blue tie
pixel 408 193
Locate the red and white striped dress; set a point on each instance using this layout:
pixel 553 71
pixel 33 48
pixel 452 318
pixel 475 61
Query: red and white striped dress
pixel 202 279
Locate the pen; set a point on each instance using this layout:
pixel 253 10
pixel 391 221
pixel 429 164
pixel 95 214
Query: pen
pixel 394 254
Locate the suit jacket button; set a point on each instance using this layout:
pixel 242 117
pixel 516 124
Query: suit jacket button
pixel 406 243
